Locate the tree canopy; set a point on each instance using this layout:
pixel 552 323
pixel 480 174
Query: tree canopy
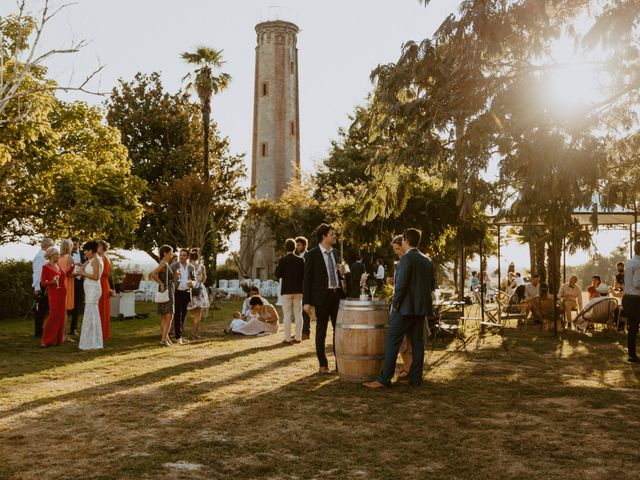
pixel 63 172
pixel 163 133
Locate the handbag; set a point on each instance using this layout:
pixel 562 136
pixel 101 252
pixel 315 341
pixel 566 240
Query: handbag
pixel 197 290
pixel 163 297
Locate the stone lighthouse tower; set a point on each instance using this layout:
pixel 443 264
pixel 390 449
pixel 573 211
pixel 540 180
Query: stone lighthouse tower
pixel 275 159
pixel 276 134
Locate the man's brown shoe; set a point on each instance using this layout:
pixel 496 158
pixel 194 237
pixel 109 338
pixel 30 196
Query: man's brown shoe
pixel 374 384
pixel 324 370
pixel 305 336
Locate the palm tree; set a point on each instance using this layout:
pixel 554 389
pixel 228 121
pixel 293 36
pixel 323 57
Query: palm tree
pixel 206 84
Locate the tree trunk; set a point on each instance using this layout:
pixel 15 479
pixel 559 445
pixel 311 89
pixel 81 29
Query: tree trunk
pixel 206 118
pixel 532 257
pixel 540 260
pixel 554 283
pixel 463 271
pixel 153 255
pixel 455 275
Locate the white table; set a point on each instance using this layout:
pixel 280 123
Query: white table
pixel 123 305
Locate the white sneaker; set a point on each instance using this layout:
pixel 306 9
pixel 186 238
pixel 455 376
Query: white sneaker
pixel 181 341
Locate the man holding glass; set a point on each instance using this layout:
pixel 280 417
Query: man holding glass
pixel 322 288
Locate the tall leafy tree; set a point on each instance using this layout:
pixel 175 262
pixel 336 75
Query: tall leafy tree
pixel 163 133
pixel 206 84
pixel 62 170
pixel 92 191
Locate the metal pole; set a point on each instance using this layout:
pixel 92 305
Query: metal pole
pixel 564 260
pixel 482 292
pixel 635 222
pixel 553 280
pixel 462 270
pixel 499 276
pixel 630 241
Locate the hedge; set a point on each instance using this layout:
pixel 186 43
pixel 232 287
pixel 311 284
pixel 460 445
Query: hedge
pixel 16 295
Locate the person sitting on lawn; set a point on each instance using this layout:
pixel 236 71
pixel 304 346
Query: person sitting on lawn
pixel 261 320
pixel 253 292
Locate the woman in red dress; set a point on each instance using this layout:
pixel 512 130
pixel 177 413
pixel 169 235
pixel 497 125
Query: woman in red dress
pixel 105 299
pixel 55 279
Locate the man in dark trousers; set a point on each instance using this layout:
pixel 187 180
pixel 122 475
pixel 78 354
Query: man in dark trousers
pixel 411 302
pixel 322 288
pixel 78 287
pixel 290 269
pixel 631 301
pixel 301 251
pixel 186 277
pixel 357 270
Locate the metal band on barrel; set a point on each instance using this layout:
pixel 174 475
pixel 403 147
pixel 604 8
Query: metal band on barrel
pixel 370 358
pixel 353 326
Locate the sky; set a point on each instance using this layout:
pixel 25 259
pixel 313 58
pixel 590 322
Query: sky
pixel 340 42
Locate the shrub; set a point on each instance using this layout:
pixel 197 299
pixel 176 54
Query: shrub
pixel 226 273
pixel 16 295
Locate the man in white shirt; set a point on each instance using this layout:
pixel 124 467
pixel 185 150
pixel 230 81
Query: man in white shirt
pixel 518 280
pixel 380 274
pixel 185 281
pixel 532 289
pixel 570 297
pixel 42 302
pixel 301 250
pixel 631 301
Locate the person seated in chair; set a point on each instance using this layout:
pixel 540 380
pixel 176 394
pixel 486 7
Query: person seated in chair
pixel 542 308
pixel 586 313
pixel 518 302
pixel 570 297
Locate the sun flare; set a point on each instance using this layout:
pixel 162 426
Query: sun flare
pixel 576 77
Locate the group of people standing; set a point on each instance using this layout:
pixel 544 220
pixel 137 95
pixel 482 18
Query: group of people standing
pixel 69 280
pixel 181 282
pixel 313 283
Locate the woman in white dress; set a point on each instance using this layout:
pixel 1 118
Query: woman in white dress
pixel 262 320
pixel 199 301
pixel 91 332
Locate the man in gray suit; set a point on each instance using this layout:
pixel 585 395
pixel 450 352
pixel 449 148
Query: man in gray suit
pixel 411 302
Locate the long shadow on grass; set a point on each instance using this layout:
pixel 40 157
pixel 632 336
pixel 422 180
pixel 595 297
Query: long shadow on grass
pixel 21 355
pixel 157 376
pixel 508 413
pixel 492 421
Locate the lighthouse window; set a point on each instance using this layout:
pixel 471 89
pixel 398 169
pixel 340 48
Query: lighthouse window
pixel 265 89
pixel 293 128
pixel 263 149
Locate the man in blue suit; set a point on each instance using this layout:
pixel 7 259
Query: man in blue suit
pixel 412 301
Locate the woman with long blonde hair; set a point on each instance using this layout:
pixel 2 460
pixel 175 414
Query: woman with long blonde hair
pixel 66 264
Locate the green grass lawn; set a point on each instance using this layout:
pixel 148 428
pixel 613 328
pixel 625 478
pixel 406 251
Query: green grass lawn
pixel 526 405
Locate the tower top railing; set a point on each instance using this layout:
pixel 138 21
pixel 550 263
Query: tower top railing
pixel 277 13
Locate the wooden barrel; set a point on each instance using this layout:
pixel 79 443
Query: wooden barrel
pixel 361 330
